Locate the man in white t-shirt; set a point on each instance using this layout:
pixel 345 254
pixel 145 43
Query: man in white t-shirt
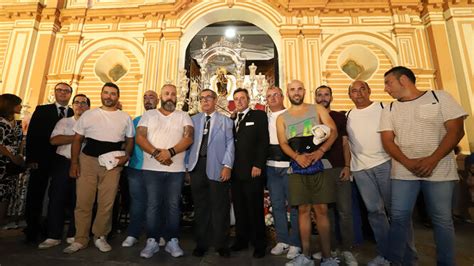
pixel 105 129
pixel 164 134
pixel 62 188
pixel 370 164
pixel 420 131
pixel 288 241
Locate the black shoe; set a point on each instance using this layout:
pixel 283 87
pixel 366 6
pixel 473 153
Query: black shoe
pixel 224 252
pixel 199 252
pixel 259 253
pixel 238 246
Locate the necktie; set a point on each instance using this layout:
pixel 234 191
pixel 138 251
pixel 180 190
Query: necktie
pixel 205 137
pixel 61 112
pixel 239 119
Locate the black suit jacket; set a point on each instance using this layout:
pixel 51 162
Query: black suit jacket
pixel 38 148
pixel 251 144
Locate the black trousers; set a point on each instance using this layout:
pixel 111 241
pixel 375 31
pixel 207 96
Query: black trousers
pixel 62 199
pixel 211 209
pixel 247 196
pixel 37 184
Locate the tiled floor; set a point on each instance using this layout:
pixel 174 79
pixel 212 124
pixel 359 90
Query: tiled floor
pixel 14 252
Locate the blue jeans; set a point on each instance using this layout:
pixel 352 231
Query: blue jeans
pixel 138 200
pixel 438 198
pixel 277 183
pixel 163 191
pixel 374 187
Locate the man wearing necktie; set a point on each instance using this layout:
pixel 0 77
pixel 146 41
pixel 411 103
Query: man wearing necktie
pixel 40 153
pixel 251 144
pixel 209 161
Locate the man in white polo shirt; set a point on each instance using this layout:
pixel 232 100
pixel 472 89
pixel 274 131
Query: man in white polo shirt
pixel 105 129
pixel 164 134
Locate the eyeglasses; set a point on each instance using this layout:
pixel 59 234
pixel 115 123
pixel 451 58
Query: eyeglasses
pixel 62 90
pixel 273 95
pixel 80 103
pixel 206 98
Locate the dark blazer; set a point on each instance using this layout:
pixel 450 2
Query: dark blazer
pixel 38 148
pixel 251 144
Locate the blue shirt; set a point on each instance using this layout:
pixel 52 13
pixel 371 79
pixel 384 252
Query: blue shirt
pixel 136 160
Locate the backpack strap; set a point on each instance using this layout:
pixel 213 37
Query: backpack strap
pixel 348 112
pixel 434 95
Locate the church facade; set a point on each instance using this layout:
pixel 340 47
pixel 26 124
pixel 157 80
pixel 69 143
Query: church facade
pixel 142 44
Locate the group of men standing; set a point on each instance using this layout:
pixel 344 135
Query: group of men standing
pixel 392 151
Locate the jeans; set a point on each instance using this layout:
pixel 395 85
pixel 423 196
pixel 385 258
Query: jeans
pixel 163 191
pixel 344 210
pixel 277 183
pixel 374 187
pixel 438 198
pixel 138 200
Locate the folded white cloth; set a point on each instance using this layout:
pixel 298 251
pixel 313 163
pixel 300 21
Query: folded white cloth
pixel 109 161
pixel 320 133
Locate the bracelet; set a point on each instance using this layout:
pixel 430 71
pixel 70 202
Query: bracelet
pixel 172 152
pixel 347 166
pixel 155 153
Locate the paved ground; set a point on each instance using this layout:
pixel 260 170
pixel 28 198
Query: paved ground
pixel 14 252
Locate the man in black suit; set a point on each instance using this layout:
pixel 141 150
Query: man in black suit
pixel 251 144
pixel 39 155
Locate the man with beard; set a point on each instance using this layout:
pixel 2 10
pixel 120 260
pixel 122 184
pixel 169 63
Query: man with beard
pixel 339 157
pixel 309 187
pixel 107 131
pixel 164 135
pixel 251 144
pixel 40 154
pixel 136 183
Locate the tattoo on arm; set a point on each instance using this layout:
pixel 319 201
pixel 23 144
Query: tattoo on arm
pixel 188 132
pixel 142 131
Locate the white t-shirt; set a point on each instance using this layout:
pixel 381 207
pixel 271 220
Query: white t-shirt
pixel 418 126
pixel 164 132
pixel 64 127
pixel 272 118
pixel 364 139
pixel 111 126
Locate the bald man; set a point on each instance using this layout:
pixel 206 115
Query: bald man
pixel 135 179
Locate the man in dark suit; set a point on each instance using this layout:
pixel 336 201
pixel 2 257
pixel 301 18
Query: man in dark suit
pixel 251 144
pixel 39 155
pixel 210 160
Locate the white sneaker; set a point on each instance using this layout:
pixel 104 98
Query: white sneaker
pixel 49 243
pixel 70 240
pixel 280 248
pixel 333 261
pixel 293 252
pixel 129 242
pixel 349 259
pixel 150 249
pixel 73 248
pixel 173 248
pixel 379 260
pixel 102 245
pixel 319 255
pixel 162 242
pixel 300 260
